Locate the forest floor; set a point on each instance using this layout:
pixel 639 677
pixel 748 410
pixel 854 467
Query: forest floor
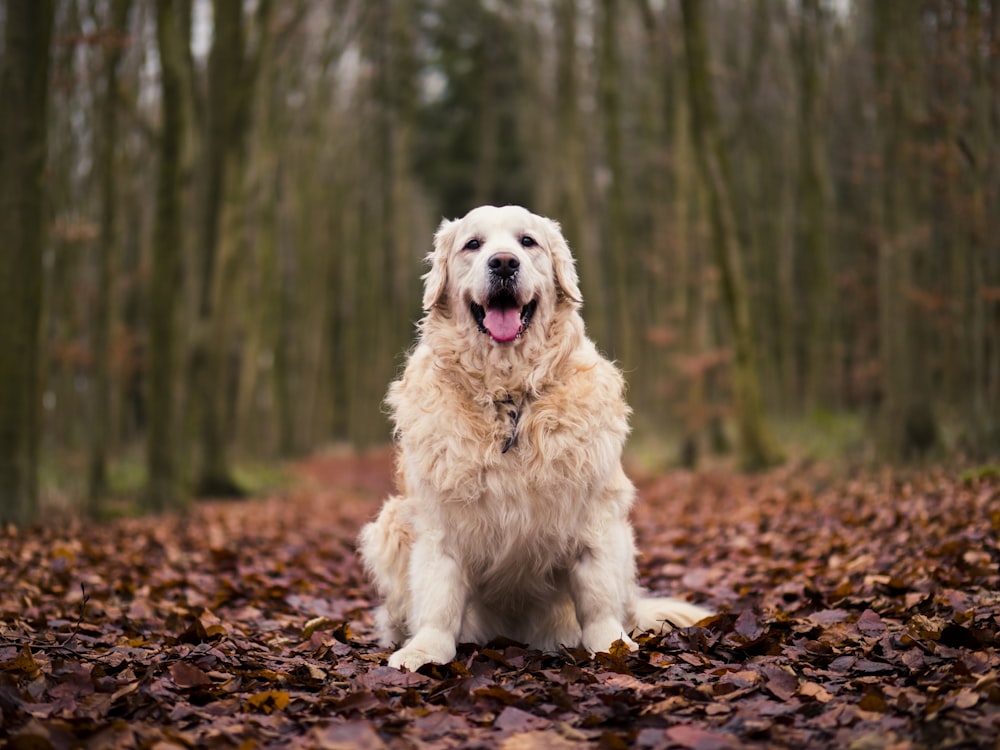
pixel 856 612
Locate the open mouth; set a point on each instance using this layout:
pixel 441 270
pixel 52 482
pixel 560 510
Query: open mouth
pixel 502 318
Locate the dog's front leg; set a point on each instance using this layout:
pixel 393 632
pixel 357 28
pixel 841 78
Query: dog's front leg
pixel 603 588
pixel 438 594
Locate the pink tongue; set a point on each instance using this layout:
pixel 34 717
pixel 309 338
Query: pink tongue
pixel 503 324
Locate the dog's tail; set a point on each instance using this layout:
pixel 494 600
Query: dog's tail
pixel 660 614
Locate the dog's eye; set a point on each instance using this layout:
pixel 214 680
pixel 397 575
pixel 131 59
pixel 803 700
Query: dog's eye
pixel 528 241
pixel 473 244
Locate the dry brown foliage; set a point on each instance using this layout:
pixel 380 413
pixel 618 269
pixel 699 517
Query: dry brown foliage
pixel 855 612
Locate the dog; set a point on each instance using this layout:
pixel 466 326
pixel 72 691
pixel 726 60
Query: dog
pixel 513 513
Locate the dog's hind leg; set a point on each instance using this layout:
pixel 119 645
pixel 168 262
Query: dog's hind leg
pixel 385 546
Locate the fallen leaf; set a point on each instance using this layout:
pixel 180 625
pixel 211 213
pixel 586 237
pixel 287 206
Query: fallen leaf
pixel 269 700
pixel 537 740
pixel 815 691
pixel 827 617
pixel 188 676
pixel 873 700
pixel 24 663
pixel 781 683
pixel 871 624
pixel 964 699
pixel 316 623
pixel 351 735
pixel 619 649
pixel 697 738
pixel 748 626
pixel 514 720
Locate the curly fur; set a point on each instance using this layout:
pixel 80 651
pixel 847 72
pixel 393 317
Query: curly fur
pixel 532 543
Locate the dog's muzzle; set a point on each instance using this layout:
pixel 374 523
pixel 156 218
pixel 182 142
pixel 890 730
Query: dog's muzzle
pixel 503 316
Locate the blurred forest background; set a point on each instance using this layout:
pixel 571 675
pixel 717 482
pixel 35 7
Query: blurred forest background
pixel 213 215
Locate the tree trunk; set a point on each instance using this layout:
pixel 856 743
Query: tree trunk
pixel 570 188
pixel 991 249
pixel 107 254
pixel 757 449
pixel 907 426
pixel 982 408
pixel 162 491
pixel 617 225
pixel 232 79
pixel 372 328
pixel 24 84
pixel 814 282
pixel 770 191
pixel 402 288
pixel 214 474
pixel 260 294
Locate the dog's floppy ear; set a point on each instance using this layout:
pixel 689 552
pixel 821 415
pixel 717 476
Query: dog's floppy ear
pixel 562 259
pixel 436 280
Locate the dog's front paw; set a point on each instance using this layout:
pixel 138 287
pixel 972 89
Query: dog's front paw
pixel 426 647
pixel 411 659
pixel 602 636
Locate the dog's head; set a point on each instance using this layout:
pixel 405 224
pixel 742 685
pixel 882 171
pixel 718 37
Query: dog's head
pixel 498 270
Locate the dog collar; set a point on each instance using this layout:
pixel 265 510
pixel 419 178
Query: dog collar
pixel 514 415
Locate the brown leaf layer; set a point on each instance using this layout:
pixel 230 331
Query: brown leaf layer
pixel 853 612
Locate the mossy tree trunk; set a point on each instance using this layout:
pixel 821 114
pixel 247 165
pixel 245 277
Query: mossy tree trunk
pixel 756 446
pixel 210 355
pixel 617 260
pixel 163 481
pixel 24 85
pixel 907 424
pixel 382 269
pixel 569 188
pixel 232 76
pixel 981 261
pixel 107 260
pixel 813 276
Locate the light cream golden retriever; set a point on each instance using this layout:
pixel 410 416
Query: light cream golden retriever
pixel 513 517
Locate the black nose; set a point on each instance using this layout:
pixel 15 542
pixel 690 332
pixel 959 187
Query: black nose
pixel 503 265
